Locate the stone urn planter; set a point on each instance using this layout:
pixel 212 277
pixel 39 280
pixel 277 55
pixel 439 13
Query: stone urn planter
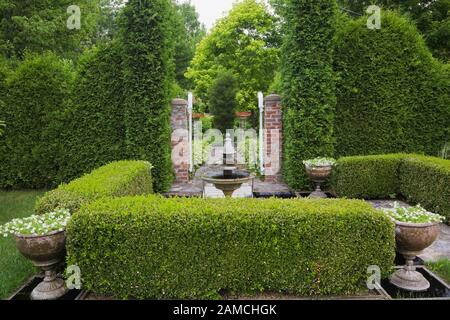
pixel 411 239
pixel 46 252
pixel 319 170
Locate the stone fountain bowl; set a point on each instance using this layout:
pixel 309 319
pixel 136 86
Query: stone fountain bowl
pixel 44 250
pixel 228 184
pixel 413 238
pixel 319 173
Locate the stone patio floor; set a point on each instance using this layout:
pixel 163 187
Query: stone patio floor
pixel 439 249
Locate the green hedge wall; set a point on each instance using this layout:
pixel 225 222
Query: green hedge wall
pixel 149 247
pixel 420 179
pixel 93 132
pixel 116 179
pixel 392 96
pixel 148 75
pixel 38 91
pixel 426 180
pixel 308 85
pixel 367 177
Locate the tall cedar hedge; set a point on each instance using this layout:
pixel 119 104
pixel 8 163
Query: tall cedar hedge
pixel 94 130
pixel 308 85
pixel 37 93
pixel 392 96
pixel 148 73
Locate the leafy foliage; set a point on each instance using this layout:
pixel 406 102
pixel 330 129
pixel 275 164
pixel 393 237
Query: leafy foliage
pixel 246 43
pixel 222 97
pixel 37 93
pixel 41 25
pixel 188 33
pixel 420 179
pixel 367 177
pixel 92 130
pixel 192 248
pixel 116 179
pixel 148 76
pixel 308 85
pixel 392 96
pixel 426 180
pixel 432 18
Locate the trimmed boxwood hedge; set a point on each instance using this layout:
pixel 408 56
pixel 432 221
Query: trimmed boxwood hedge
pixel 150 247
pixel 367 177
pixel 116 179
pixel 426 180
pixel 420 179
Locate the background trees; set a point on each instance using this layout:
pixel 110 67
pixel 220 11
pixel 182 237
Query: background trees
pixel 222 97
pixel 41 25
pixel 246 42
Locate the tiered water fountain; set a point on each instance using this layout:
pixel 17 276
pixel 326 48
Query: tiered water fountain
pixel 230 179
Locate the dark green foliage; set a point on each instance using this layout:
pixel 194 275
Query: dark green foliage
pixel 116 179
pixel 426 180
pixel 93 132
pixel 369 177
pixel 37 93
pixel 432 18
pixel 40 25
pixel 150 247
pixel 308 85
pixel 222 101
pixel 420 179
pixel 148 76
pixel 392 96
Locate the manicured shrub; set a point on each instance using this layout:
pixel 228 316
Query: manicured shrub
pixel 308 85
pixel 222 101
pixel 392 96
pixel 93 132
pixel 148 75
pixel 426 180
pixel 420 179
pixel 150 247
pixel 37 94
pixel 369 177
pixel 116 179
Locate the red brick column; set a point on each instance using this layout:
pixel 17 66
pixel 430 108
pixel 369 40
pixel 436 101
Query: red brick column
pixel 180 140
pixel 273 126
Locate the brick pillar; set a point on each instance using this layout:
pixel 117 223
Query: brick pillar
pixel 180 140
pixel 273 126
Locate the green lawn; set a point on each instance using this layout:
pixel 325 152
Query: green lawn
pixel 14 269
pixel 441 268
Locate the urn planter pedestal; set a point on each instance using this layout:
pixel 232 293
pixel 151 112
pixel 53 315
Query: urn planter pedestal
pixel 411 240
pixel 46 252
pixel 318 175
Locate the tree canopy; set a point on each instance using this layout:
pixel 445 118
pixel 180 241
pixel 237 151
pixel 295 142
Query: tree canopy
pixel 246 42
pixel 41 25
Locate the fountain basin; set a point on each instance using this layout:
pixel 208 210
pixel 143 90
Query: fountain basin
pixel 228 183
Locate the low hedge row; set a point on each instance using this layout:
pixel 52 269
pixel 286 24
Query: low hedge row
pixel 120 178
pixel 426 180
pixel 150 247
pixel 420 179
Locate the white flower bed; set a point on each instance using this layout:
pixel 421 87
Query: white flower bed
pixel 320 162
pixel 415 214
pixel 37 225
